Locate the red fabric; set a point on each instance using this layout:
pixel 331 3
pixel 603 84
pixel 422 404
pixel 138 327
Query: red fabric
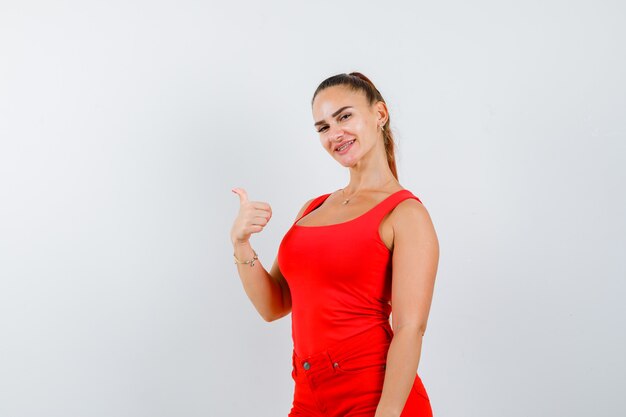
pixel 346 380
pixel 339 276
pixel 340 281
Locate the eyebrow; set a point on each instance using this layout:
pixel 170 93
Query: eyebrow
pixel 334 114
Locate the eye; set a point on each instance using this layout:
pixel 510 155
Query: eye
pixel 340 118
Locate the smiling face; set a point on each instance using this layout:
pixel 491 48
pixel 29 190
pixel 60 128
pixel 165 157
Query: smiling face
pixel 347 125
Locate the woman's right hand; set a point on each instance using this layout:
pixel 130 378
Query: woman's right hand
pixel 252 217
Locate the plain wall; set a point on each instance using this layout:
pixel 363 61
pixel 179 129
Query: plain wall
pixel 125 124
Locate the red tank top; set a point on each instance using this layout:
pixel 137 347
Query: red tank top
pixel 339 276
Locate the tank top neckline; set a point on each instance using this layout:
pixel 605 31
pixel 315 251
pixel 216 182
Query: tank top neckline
pixel 347 221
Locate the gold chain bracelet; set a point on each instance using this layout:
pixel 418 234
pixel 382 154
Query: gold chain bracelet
pixel 251 261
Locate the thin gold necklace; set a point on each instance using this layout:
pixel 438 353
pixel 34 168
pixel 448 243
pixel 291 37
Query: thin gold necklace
pixel 347 200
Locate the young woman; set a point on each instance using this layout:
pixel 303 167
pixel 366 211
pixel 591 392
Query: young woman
pixel 348 258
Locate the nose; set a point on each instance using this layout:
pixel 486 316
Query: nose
pixel 335 135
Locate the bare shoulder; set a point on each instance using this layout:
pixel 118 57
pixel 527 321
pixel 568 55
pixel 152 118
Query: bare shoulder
pixel 409 208
pixel 407 218
pixel 410 215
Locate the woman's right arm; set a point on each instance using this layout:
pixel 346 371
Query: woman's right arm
pixel 268 291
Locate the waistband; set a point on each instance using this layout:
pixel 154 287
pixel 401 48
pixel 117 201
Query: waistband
pixel 373 340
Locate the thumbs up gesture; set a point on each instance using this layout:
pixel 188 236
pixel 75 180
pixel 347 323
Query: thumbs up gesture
pixel 252 217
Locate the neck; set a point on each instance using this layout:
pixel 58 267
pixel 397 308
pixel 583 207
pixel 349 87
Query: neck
pixel 371 172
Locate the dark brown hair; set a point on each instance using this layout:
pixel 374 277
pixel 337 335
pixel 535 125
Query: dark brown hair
pixel 359 82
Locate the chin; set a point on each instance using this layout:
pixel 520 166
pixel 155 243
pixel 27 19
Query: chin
pixel 348 162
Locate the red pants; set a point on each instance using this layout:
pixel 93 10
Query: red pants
pixel 346 380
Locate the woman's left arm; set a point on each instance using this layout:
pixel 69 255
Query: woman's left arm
pixel 414 265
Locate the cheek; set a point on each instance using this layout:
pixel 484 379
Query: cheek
pixel 324 142
pixel 368 130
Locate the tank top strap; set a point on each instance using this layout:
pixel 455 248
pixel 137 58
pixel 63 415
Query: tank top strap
pixel 315 203
pixel 379 211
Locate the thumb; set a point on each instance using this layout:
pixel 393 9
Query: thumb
pixel 243 196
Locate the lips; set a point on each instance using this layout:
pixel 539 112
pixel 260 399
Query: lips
pixel 348 143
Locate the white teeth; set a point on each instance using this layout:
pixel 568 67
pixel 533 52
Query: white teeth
pixel 345 145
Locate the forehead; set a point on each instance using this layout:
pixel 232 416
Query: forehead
pixel 330 99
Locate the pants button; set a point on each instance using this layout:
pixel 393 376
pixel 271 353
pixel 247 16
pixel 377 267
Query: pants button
pixel 335 364
pixel 306 366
